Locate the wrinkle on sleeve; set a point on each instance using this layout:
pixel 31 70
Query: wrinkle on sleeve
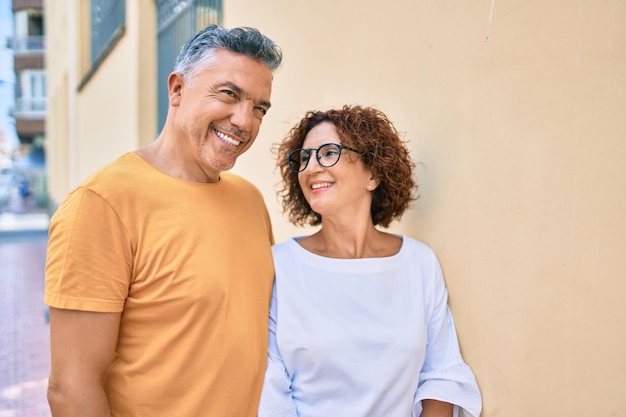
pixel 445 376
pixel 89 258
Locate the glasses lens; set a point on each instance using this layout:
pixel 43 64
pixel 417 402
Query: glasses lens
pixel 298 159
pixel 328 154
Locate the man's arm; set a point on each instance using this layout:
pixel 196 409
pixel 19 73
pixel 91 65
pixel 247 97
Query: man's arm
pixel 82 346
pixel 435 408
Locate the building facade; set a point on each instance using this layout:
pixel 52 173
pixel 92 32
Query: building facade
pixel 29 110
pixel 28 44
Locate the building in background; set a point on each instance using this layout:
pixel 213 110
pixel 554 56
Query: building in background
pixel 8 138
pixel 28 44
pixel 29 108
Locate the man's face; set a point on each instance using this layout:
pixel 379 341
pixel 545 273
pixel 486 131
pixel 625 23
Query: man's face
pixel 220 111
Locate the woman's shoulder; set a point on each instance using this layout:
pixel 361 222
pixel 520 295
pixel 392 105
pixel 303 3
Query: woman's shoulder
pixel 413 244
pixel 287 246
pixel 418 250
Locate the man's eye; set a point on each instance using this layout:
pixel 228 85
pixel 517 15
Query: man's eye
pixel 229 93
pixel 261 110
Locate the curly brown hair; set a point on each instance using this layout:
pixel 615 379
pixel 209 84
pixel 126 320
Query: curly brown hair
pixel 382 150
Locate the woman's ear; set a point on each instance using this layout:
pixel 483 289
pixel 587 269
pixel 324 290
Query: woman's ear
pixel 372 184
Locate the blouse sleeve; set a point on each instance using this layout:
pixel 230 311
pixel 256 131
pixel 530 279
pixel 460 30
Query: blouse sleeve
pixel 445 376
pixel 276 399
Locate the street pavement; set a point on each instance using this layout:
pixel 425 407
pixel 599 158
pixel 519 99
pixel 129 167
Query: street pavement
pixel 24 329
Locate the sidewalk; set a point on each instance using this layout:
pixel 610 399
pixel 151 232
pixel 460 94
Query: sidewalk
pixel 19 222
pixel 20 214
pixel 24 329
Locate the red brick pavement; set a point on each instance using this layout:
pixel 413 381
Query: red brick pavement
pixel 24 330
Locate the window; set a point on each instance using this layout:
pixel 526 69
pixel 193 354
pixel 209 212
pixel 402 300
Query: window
pixel 29 31
pixel 31 91
pixel 108 18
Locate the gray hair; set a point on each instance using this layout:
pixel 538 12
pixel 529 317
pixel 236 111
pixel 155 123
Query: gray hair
pixel 197 53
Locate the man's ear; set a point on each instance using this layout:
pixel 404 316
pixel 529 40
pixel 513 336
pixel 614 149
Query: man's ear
pixel 175 84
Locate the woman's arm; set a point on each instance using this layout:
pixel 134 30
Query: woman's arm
pixel 435 408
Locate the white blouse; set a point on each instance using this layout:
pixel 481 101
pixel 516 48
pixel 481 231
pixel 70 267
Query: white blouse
pixel 366 337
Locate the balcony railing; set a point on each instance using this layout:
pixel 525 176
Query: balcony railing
pixel 27 44
pixel 29 107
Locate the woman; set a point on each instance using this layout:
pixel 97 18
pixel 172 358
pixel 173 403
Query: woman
pixel 359 322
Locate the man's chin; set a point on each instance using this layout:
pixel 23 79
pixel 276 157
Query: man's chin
pixel 222 165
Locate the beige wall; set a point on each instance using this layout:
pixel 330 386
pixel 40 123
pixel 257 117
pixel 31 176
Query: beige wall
pixel 115 111
pixel 514 112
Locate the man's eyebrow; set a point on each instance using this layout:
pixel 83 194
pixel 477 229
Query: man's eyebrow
pixel 242 92
pixel 234 87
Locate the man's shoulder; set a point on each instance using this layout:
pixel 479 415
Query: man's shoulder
pixel 120 168
pixel 236 181
pixel 232 178
pixel 111 178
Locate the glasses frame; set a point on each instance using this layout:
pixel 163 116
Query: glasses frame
pixel 317 156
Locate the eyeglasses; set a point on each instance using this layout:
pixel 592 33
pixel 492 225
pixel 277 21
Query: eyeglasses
pixel 327 156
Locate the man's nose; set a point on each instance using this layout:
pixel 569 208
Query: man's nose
pixel 242 117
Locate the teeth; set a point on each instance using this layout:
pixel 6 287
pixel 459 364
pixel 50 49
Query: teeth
pixel 321 185
pixel 226 138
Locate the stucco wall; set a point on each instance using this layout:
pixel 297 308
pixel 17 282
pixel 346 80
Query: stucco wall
pixel 115 110
pixel 123 85
pixel 514 111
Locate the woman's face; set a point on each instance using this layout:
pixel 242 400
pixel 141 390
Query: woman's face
pixel 340 190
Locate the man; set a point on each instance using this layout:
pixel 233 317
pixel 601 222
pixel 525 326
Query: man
pixel 159 269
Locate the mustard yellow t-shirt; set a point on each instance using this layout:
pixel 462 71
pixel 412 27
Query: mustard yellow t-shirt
pixel 190 267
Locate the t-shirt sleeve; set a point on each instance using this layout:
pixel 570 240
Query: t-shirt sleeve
pixel 445 376
pixel 89 260
pixel 276 399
